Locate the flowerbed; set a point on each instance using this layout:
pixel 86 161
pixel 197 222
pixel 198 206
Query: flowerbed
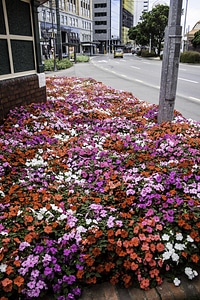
pixel 93 190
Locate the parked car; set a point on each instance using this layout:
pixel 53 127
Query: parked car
pixel 135 50
pixel 118 53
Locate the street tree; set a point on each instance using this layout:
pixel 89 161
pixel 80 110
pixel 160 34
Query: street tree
pixel 196 40
pixel 151 26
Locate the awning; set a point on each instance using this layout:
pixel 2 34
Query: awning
pixel 40 2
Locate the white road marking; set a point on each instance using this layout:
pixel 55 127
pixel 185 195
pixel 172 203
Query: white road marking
pixel 184 79
pixel 135 67
pixel 195 99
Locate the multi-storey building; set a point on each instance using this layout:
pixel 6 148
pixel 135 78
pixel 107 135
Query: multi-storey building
pixel 70 22
pixel 112 20
pixel 139 8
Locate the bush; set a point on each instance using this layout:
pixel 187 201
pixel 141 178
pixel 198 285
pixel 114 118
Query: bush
pixel 190 57
pixel 62 64
pixel 82 58
pixel 146 53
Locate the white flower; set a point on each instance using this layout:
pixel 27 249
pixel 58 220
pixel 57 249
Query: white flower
pixel 3 268
pixel 62 217
pixel 177 282
pixel 190 273
pixel 175 257
pixel 179 246
pixel 88 221
pixel 4 233
pixel 169 246
pixel 166 255
pixel 165 237
pixel 189 239
pixel 179 236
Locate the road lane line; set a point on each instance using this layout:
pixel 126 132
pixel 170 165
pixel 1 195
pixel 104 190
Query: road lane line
pixel 135 67
pixel 195 99
pixel 184 79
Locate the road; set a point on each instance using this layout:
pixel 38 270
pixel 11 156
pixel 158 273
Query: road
pixel 141 76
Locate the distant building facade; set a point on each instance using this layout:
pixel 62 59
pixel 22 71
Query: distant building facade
pixel 75 26
pixel 139 8
pixel 189 36
pixel 112 20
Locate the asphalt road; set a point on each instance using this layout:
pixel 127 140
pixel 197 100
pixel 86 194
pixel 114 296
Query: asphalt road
pixel 141 77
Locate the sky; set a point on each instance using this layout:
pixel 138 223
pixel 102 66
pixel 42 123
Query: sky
pixel 193 12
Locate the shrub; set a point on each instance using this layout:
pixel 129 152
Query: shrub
pixel 146 53
pixel 64 63
pixel 190 57
pixel 82 58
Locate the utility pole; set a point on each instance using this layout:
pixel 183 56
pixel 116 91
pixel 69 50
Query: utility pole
pixel 58 31
pixel 170 64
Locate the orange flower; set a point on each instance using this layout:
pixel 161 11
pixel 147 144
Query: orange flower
pixel 96 251
pixel 127 280
pixel 91 280
pixel 160 247
pixel 17 263
pixel 135 241
pixel 109 266
pixel 58 197
pixel 134 266
pixel 195 258
pixel 127 264
pixel 28 219
pixel 79 274
pixel 48 229
pixel 148 257
pixel 9 270
pixel 7 285
pixel 19 281
pixel 144 284
pixel 90 261
pixel 100 268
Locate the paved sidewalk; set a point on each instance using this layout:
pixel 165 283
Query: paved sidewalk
pixel 188 290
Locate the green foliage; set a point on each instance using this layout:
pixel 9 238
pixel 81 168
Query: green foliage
pixel 190 57
pixel 152 26
pixel 62 64
pixel 196 40
pixel 82 58
pixel 145 53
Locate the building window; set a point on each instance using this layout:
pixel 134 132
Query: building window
pixel 100 14
pixel 100 23
pixel 100 5
pixel 16 38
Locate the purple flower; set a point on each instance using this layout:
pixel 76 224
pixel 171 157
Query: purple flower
pixel 31 285
pixel 48 271
pixel 70 297
pixel 66 252
pixel 73 248
pixel 57 268
pixel 61 298
pixel 35 273
pixel 23 245
pixel 76 291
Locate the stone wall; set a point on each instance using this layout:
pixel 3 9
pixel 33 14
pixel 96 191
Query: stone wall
pixel 21 91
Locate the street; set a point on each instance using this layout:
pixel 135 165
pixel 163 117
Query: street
pixel 141 77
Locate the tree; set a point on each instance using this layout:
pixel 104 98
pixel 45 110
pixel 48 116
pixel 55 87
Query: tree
pixel 196 40
pixel 151 26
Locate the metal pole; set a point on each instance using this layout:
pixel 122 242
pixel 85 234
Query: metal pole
pixel 58 31
pixel 170 63
pixel 53 36
pixel 184 27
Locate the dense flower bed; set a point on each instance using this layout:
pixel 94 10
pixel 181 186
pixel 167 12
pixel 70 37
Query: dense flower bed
pixel 93 190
